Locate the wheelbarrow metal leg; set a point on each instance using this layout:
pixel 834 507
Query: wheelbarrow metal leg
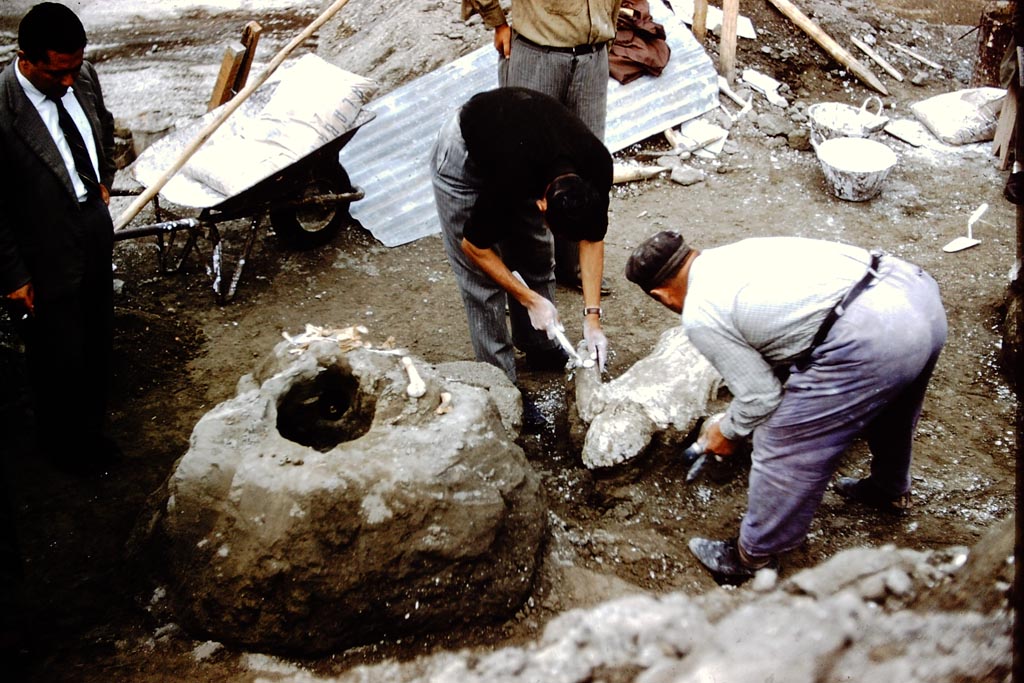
pixel 226 294
pixel 213 270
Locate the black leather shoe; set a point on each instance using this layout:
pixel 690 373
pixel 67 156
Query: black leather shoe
pixel 863 491
pixel 547 360
pixel 725 562
pixel 534 420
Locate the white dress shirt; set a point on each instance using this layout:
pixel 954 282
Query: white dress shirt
pixel 48 112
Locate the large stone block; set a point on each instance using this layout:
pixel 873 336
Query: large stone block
pixel 323 507
pixel 663 394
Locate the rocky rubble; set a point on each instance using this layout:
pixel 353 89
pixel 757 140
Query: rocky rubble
pixel 844 620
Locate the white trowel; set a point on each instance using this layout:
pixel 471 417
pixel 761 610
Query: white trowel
pixel 961 243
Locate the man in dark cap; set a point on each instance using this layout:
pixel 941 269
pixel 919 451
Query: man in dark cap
pixel 504 150
pixel 819 343
pixel 56 236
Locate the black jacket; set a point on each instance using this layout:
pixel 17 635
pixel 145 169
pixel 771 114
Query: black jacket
pixel 41 239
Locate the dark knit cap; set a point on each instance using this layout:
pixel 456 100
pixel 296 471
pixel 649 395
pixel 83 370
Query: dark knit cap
pixel 657 259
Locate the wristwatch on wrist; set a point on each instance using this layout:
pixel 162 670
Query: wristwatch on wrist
pixel 592 309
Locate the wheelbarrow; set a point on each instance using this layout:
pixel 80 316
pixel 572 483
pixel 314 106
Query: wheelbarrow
pixel 275 156
pixel 306 202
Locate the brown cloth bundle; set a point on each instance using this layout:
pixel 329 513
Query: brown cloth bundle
pixel 639 47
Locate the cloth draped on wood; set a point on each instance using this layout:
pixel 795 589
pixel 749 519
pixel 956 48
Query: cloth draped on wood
pixel 639 47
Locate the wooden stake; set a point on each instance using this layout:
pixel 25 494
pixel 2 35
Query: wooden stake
pixel 700 20
pixel 1006 128
pixel 727 49
pixel 250 39
pixel 834 49
pixel 223 89
pixel 910 53
pixel 229 109
pixel 878 59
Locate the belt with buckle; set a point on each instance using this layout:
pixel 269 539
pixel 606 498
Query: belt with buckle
pixel 584 49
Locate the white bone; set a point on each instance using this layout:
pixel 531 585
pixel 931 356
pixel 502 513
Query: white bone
pixel 446 403
pixel 416 386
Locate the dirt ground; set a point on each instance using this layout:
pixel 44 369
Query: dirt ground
pixel 92 611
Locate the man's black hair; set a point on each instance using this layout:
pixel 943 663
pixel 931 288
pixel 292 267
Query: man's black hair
pixel 50 26
pixel 576 210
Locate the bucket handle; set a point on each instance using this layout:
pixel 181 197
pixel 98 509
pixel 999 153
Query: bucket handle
pixel 868 100
pixel 815 134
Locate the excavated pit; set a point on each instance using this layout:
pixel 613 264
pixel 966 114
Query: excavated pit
pixel 325 412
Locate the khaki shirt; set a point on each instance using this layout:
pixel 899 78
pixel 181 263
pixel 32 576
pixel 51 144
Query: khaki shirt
pixel 555 23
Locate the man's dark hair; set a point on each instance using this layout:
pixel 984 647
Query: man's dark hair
pixel 50 26
pixel 576 210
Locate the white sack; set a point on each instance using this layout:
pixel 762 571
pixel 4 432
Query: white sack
pixel 961 117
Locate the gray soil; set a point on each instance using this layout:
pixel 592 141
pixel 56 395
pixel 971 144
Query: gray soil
pixel 88 613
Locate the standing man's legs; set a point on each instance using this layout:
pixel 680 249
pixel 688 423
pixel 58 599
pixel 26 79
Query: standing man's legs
pixel 580 82
pixel 455 193
pixel 68 346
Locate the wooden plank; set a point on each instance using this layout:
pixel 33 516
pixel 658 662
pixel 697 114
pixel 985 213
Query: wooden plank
pixel 1003 142
pixel 878 59
pixel 700 20
pixel 727 48
pixel 834 49
pixel 223 89
pixel 250 39
pixel 910 53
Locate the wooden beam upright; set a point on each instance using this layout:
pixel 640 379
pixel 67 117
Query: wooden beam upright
pixel 727 48
pixel 700 20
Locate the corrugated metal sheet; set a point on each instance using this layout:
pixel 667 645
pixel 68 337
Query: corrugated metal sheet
pixel 388 156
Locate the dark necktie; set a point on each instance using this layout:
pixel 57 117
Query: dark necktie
pixel 79 152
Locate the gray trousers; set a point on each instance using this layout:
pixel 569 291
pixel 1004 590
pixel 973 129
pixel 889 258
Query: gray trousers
pixel 580 82
pixel 868 377
pixel 529 252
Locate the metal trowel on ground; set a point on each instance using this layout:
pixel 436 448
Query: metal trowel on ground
pixel 961 243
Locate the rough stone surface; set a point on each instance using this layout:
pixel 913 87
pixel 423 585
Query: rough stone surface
pixel 393 47
pixel 739 636
pixel 501 390
pixel 687 175
pixel 390 519
pixel 773 124
pixel 665 393
pixel 856 569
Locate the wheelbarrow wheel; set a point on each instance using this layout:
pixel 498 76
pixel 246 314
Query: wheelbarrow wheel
pixel 312 226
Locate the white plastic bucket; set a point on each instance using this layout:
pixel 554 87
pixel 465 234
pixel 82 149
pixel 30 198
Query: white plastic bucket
pixel 854 168
pixel 836 120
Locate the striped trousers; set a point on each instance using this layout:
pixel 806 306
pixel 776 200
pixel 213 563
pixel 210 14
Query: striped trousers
pixel 580 82
pixel 529 252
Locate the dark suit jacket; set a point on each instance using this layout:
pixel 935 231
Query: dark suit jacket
pixel 41 238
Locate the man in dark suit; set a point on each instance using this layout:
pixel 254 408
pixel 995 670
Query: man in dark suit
pixel 56 235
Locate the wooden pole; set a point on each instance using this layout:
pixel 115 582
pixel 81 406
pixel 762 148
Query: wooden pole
pixel 229 109
pixel 837 52
pixel 913 55
pixel 727 48
pixel 700 20
pixel 878 59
